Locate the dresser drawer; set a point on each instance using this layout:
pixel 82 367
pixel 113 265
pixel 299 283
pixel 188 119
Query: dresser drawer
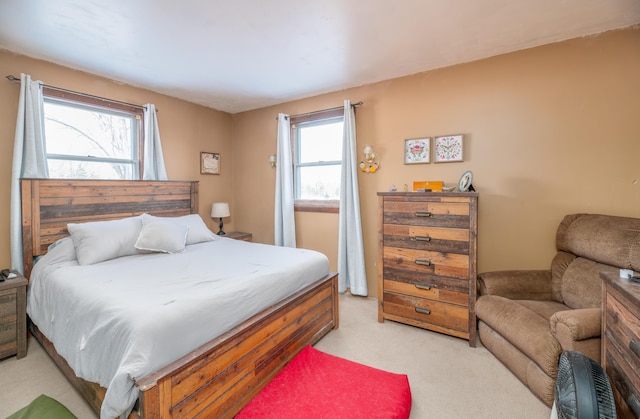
pixel 430 290
pixel 427 312
pixel 8 317
pixel 625 383
pixel 446 264
pixel 623 328
pixel 623 351
pixel 451 240
pixel 440 214
pixel 8 339
pixel 8 306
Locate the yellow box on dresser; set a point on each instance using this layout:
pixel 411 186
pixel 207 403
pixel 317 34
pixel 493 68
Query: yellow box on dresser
pixel 427 258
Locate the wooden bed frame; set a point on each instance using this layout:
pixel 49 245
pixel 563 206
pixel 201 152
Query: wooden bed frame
pixel 220 377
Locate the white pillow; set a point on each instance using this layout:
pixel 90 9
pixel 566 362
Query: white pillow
pixel 103 240
pixel 162 235
pixel 198 230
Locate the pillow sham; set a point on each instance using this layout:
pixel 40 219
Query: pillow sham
pixel 104 240
pixel 160 234
pixel 198 230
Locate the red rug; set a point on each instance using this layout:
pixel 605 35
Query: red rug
pixel 318 385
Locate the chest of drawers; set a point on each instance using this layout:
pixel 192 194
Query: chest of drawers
pixel 621 342
pixel 427 253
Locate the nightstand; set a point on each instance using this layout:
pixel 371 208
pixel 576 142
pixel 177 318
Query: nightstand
pixel 13 317
pixel 239 235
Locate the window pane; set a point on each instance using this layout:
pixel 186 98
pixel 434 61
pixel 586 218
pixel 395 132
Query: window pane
pixel 76 131
pixel 321 142
pixel 320 182
pixel 71 169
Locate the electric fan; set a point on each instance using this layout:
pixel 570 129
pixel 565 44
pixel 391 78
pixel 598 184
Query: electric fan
pixel 582 389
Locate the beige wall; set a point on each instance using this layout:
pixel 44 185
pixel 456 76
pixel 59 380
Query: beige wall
pixel 547 131
pixel 186 129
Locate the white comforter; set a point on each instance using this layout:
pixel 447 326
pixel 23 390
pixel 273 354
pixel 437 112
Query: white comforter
pixel 119 320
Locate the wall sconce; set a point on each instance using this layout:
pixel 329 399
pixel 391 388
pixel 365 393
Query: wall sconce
pixel 272 160
pixel 370 162
pixel 220 210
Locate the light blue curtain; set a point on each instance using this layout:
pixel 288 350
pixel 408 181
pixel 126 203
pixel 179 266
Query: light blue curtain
pixel 29 157
pixel 284 218
pixel 351 267
pixel 153 159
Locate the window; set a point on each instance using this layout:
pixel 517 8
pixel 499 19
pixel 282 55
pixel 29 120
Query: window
pixel 317 145
pixel 91 138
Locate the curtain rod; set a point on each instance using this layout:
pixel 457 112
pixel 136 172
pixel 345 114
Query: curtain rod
pixel 354 105
pixel 13 78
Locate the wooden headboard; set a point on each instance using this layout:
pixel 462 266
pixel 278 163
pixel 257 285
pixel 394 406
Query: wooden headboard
pixel 49 204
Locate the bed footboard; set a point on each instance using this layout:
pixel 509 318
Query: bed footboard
pixel 221 377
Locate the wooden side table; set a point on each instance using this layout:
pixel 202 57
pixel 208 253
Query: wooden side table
pixel 13 317
pixel 239 235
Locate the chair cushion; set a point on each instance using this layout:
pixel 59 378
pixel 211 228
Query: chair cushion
pixel 606 239
pixel 559 265
pixel 545 309
pixel 525 324
pixel 581 284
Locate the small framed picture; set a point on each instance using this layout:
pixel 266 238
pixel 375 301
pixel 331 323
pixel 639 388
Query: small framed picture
pixel 209 163
pixel 417 150
pixel 447 149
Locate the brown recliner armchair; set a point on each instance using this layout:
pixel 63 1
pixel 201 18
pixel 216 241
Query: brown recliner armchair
pixel 527 318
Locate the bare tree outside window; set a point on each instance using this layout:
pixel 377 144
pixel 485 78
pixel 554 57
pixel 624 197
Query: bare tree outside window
pixel 84 141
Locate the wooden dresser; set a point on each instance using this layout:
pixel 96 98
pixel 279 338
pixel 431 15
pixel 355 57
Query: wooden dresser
pixel 621 342
pixel 427 252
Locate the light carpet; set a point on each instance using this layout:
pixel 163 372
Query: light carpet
pixel 448 378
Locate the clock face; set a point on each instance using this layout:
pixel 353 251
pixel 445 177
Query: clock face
pixel 465 181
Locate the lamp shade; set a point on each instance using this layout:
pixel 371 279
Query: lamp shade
pixel 220 210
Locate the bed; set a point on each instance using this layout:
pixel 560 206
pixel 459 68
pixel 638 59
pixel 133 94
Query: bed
pixel 215 379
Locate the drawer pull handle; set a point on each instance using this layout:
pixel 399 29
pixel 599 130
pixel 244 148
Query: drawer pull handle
pixel 635 347
pixel 423 287
pixel 634 405
pixel 423 238
pixel 423 214
pixel 423 262
pixel 423 310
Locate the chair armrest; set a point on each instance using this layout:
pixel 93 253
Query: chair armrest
pixel 516 285
pixel 578 324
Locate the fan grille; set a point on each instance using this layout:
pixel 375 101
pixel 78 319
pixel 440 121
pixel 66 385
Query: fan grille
pixel 583 390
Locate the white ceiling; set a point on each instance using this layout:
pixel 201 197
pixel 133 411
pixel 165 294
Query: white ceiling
pixel 238 55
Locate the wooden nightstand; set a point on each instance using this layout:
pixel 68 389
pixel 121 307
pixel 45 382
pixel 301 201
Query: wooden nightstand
pixel 13 317
pixel 239 235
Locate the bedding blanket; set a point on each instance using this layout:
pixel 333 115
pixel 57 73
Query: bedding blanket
pixel 120 320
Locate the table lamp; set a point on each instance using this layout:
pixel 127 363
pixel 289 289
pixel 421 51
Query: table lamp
pixel 220 210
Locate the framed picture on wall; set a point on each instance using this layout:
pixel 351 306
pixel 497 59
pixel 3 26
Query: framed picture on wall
pixel 447 149
pixel 209 163
pixel 417 150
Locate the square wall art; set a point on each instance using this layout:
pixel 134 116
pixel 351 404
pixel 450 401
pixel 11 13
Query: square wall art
pixel 447 149
pixel 417 150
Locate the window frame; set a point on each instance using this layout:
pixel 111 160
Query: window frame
pixel 57 95
pixel 312 205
